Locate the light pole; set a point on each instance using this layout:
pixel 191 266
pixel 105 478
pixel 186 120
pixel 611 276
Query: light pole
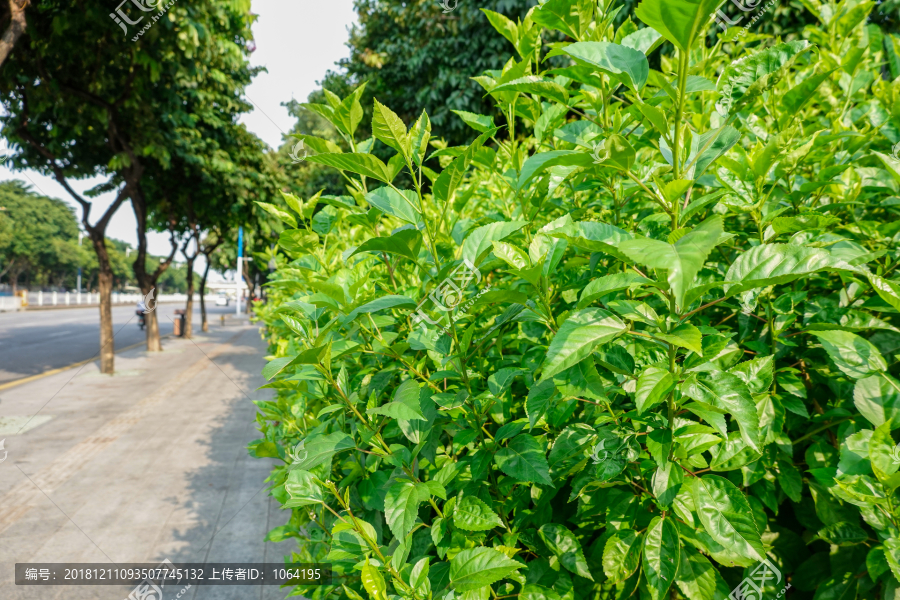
pixel 240 267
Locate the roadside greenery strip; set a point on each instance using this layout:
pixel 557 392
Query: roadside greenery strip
pixel 683 372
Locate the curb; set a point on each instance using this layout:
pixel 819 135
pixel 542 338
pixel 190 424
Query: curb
pixel 30 378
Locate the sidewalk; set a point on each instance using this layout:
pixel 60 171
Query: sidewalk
pixel 146 465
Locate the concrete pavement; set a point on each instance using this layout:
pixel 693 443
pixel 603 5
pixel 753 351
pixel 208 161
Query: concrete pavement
pixel 32 342
pixel 146 465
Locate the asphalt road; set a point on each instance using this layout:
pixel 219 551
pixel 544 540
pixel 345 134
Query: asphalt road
pixel 33 342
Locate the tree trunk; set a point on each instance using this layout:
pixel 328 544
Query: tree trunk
pixel 205 324
pixel 147 281
pixel 105 277
pixel 15 29
pixel 189 307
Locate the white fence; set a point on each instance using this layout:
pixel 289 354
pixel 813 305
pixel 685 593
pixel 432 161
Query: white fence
pixel 73 299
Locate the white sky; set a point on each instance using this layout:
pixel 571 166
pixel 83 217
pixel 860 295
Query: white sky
pixel 297 41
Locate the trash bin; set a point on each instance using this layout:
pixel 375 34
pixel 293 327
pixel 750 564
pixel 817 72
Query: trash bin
pixel 179 323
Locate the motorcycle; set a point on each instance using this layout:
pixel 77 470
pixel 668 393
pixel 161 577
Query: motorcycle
pixel 142 319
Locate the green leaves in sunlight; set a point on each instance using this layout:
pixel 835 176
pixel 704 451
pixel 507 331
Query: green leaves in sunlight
pixel 682 22
pixel 726 516
pixel 682 260
pixel 475 568
pixel 578 336
pixel 621 63
pixel 635 335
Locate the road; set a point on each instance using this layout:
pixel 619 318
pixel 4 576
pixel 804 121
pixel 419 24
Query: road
pixel 33 342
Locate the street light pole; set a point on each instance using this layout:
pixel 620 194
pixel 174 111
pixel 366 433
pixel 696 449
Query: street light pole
pixel 240 266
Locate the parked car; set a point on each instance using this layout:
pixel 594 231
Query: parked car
pixel 222 299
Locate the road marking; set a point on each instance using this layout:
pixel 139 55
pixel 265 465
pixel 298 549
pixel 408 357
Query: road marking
pixel 10 384
pixel 25 495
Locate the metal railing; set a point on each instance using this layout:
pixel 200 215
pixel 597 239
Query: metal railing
pixel 42 299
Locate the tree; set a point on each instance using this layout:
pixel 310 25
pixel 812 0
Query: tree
pixel 13 16
pixel 36 234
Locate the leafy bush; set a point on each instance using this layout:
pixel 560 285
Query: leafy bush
pixel 669 350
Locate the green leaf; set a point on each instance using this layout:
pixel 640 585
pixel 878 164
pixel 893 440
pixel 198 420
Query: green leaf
pixel 472 514
pixel 878 399
pixel 682 22
pixel 480 123
pixel 622 554
pixel 748 78
pixel 373 582
pixel 532 84
pixel 479 240
pixel 405 242
pixel 667 483
pixel 596 237
pixel 662 556
pixel 881 453
pixel 608 284
pixel 653 385
pixel 385 302
pixel 698 579
pixel 405 406
pixel 273 210
pixel 319 449
pixel 539 399
pixel 843 534
pixel 773 264
pixel 681 260
pixel 856 356
pixel 803 222
pixel 563 544
pixel 401 505
pixel 387 127
pixel 301 486
pixel 619 62
pixel 684 336
pixel 539 163
pixel 726 515
pixel 887 289
pixel 298 242
pixel 404 205
pixel 758 373
pixel 367 165
pixel 727 392
pixel 583 331
pixel 475 568
pixel 523 459
pixel 501 381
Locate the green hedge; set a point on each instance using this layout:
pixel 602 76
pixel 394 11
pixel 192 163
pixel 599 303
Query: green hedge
pixel 643 344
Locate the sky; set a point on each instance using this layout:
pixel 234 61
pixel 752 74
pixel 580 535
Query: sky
pixel 297 41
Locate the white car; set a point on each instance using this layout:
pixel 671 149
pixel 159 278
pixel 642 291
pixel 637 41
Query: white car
pixel 222 299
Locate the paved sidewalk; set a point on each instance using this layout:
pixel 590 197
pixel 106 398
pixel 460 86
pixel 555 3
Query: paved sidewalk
pixel 146 465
